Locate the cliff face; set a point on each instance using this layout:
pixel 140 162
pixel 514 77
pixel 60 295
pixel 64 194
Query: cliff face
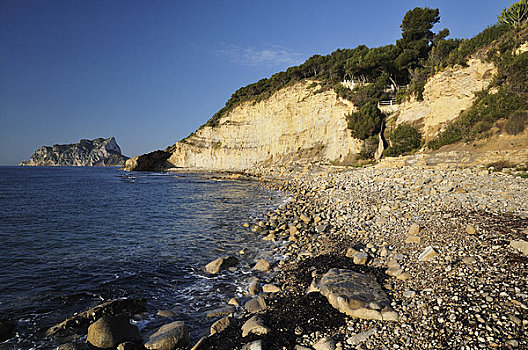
pixel 295 123
pixel 298 123
pixel 445 95
pixel 98 152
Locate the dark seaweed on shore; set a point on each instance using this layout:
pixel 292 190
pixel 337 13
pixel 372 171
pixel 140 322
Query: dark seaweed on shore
pixel 295 310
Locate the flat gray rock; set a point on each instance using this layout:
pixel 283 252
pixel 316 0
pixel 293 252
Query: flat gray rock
pixel 355 294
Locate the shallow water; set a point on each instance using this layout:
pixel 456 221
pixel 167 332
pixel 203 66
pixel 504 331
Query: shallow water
pixel 73 237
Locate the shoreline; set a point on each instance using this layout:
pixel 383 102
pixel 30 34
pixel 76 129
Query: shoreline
pixel 472 294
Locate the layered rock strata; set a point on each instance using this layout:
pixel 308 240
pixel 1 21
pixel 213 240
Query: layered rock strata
pixel 297 122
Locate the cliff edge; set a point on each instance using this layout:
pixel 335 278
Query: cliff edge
pixel 97 152
pixel 297 123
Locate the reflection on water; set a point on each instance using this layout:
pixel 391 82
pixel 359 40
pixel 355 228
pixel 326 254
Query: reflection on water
pixel 72 237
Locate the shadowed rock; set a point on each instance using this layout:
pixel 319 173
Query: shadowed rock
pixel 152 161
pixel 109 332
pixel 7 330
pixel 220 264
pixel 80 322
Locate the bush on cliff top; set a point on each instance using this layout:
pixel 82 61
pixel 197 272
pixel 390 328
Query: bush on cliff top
pixel 506 95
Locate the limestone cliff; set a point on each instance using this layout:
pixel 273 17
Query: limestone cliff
pixel 98 152
pixel 297 122
pixel 302 123
pixel 445 95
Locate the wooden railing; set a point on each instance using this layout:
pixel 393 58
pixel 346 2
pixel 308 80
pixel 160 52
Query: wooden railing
pixel 387 102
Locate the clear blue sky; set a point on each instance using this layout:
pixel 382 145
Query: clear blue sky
pixel 151 72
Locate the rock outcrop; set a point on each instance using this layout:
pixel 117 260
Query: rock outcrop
pixel 80 321
pixel 98 152
pixel 445 95
pixel 297 122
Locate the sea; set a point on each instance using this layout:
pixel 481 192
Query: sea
pixel 74 237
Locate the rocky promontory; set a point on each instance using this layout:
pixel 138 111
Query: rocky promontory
pixel 97 152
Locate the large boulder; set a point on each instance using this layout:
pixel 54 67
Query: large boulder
pixel 220 264
pixel 80 322
pixel 169 337
pixel 109 332
pixel 355 294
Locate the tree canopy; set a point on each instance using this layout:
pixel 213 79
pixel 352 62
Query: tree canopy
pixel 516 15
pixel 417 37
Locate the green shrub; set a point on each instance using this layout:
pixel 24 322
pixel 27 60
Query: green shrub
pixel 499 165
pixel 479 128
pixel 468 47
pixel 369 148
pixel 513 72
pixel 486 110
pixel 516 122
pixel 366 122
pixel 404 139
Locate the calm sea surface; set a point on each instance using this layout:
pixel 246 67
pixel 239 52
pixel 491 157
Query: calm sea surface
pixel 72 237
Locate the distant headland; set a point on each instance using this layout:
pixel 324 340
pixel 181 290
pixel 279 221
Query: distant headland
pixel 97 152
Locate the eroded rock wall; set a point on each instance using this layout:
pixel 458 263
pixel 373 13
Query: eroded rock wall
pixel 446 95
pixel 295 123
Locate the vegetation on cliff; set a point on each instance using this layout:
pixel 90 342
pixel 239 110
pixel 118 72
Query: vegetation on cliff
pixel 504 99
pixel 515 15
pixel 401 70
pixel 370 69
pixel 404 139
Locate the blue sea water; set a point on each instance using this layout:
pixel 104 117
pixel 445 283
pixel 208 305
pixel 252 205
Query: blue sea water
pixel 71 237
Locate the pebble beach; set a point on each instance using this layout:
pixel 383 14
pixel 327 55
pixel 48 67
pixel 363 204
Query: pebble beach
pixel 447 246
